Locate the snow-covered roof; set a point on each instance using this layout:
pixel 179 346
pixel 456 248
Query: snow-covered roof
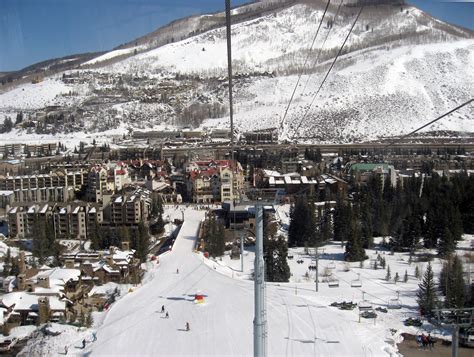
pixel 123 255
pixel 109 269
pixel 271 173
pixel 57 278
pixel 22 300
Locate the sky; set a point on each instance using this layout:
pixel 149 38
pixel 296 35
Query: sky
pixel 36 30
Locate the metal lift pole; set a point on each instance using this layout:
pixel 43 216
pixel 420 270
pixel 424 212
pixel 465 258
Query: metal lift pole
pixel 259 323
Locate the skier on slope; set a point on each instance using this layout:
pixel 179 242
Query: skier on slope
pixel 162 308
pixel 167 315
pixel 177 271
pixel 187 326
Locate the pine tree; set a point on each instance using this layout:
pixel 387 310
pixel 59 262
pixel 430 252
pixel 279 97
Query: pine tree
pixel 214 237
pixel 160 224
pixel 325 231
pixel 276 263
pixel 303 224
pixel 142 241
pixel 426 295
pixel 125 235
pixel 456 287
pixel 342 220
pixel 88 319
pixel 417 272
pixel 354 251
pixel 82 319
pixel 311 235
pixel 156 205
pixel 446 244
pixel 388 276
pixel 7 263
pixel 94 236
pixel 456 224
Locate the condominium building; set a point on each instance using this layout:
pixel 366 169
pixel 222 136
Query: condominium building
pixel 214 180
pixel 130 208
pixel 70 221
pixel 58 186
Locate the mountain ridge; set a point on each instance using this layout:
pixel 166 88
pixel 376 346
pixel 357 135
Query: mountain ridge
pixel 182 83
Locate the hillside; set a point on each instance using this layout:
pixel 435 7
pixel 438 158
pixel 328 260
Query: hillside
pixel 400 68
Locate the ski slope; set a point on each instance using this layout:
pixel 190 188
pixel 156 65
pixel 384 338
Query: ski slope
pixel 222 326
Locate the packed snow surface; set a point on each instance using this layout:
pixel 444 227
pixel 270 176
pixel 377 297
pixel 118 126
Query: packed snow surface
pixel 222 325
pixel 300 320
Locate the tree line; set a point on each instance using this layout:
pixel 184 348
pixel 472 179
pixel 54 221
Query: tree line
pixel 431 212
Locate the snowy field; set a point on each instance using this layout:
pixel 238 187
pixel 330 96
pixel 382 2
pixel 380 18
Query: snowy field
pixel 300 320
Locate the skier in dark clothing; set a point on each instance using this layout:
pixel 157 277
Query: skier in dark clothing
pixel 162 308
pixel 167 315
pixel 177 271
pixel 187 326
pixel 84 343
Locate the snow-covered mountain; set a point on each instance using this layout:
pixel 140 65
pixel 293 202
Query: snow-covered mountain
pixel 399 69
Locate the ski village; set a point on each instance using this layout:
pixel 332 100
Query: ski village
pixel 280 178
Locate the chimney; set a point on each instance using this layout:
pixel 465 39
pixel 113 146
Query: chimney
pixel 110 260
pixel 21 263
pixel 69 263
pixel 30 287
pixel 125 245
pixel 43 282
pixel 20 282
pixel 43 309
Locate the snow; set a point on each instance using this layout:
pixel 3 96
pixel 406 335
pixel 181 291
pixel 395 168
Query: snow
pixel 4 248
pixel 381 87
pixel 300 320
pixel 223 324
pixel 33 96
pixel 112 54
